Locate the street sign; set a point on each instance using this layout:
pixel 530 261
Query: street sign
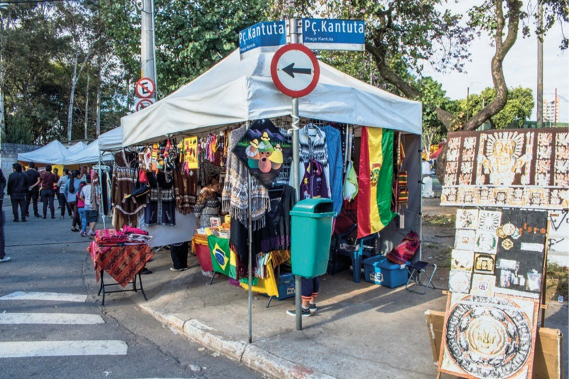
pixel 295 70
pixel 142 103
pixel 325 34
pixel 264 36
pixel 145 88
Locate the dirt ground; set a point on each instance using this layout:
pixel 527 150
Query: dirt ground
pixel 438 240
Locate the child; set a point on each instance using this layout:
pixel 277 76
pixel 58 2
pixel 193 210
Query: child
pixel 310 287
pixel 81 209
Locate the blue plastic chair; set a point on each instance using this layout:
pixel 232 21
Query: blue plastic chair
pixel 357 256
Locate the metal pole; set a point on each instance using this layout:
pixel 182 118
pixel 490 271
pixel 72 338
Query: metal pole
pixel 540 68
pixel 293 31
pixel 148 61
pixel 250 247
pixel 555 108
pixel 101 185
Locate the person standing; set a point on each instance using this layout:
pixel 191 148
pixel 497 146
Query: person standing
pixel 71 189
pixel 48 181
pixel 81 209
pixel 33 193
pixel 3 257
pixel 17 189
pixel 61 193
pixel 207 203
pixel 89 194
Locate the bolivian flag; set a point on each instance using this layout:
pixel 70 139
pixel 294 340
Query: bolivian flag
pixel 375 181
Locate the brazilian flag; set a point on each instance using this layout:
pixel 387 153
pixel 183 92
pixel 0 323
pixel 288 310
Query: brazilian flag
pixel 222 258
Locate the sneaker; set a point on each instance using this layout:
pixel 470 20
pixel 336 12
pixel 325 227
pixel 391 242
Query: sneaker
pixel 83 234
pixel 305 312
pixel 312 308
pixel 177 269
pixel 5 259
pixel 145 271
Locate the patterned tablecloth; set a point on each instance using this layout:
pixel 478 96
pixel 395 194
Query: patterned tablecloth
pixel 122 263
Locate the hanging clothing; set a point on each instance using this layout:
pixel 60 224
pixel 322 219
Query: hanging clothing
pixel 314 181
pixel 161 206
pixel 336 160
pixel 235 193
pixel 375 181
pixel 207 206
pixel 312 146
pixel 186 186
pixel 277 232
pixel 351 183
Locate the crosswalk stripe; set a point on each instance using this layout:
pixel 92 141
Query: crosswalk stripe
pixel 45 296
pixel 27 349
pixel 50 318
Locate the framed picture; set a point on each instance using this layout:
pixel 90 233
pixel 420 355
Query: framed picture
pixel 215 222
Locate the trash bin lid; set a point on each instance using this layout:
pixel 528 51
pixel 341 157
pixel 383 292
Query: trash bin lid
pixel 315 208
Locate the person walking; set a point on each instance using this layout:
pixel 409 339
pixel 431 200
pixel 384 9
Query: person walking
pixel 33 193
pixel 81 210
pixel 48 181
pixel 71 189
pixel 3 257
pixel 61 193
pixel 17 189
pixel 89 194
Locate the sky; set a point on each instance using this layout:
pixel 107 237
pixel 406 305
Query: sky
pixel 520 68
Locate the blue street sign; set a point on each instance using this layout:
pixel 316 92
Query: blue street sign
pixel 264 36
pixel 324 34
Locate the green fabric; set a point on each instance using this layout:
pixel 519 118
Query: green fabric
pixel 220 254
pixel 385 181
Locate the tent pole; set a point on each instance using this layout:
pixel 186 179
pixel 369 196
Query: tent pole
pixel 250 247
pixel 101 185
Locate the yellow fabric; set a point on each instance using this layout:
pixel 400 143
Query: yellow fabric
pixel 267 286
pixel 375 137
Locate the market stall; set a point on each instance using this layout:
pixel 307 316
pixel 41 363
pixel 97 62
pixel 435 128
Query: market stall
pixel 53 153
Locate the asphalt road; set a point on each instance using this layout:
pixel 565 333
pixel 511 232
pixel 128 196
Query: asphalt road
pixel 63 332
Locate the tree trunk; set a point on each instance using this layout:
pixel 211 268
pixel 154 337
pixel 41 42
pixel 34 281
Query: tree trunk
pixel 98 101
pixel 87 109
pixel 72 98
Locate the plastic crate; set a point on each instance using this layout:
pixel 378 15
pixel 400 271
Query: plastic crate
pixel 379 270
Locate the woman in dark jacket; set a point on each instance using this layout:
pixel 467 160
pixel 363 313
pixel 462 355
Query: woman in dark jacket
pixel 71 189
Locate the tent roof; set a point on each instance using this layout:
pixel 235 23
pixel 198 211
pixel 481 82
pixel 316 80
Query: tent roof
pixel 52 153
pixel 77 147
pixel 237 90
pixel 90 154
pixel 111 140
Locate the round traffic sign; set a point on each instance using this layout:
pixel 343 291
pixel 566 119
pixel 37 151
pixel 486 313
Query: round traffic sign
pixel 145 88
pixel 143 103
pixel 295 70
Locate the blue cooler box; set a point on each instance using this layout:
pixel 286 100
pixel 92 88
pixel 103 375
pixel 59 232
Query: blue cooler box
pixel 285 285
pixel 380 271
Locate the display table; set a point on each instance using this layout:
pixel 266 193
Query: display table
pixel 122 263
pixel 201 248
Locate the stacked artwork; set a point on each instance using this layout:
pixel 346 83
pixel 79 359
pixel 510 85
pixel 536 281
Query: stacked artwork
pixel 495 283
pixel 521 168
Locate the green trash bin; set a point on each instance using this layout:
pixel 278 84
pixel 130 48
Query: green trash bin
pixel 311 223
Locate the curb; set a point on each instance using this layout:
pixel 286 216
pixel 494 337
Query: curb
pixel 249 355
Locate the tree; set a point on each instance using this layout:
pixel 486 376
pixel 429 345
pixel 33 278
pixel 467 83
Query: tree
pixel 517 109
pixel 403 36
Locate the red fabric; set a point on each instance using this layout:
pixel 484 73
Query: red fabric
pixel 109 237
pixel 204 256
pixel 129 229
pixel 364 184
pixel 347 218
pixel 405 250
pixel 122 263
pixel 436 153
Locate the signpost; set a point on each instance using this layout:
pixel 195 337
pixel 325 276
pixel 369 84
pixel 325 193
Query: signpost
pixel 295 72
pixel 145 88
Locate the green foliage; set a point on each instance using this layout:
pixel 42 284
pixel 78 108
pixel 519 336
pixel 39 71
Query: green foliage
pixel 518 108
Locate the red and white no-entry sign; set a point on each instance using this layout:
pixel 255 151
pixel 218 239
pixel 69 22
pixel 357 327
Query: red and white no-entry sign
pixel 143 103
pixel 295 70
pixel 145 88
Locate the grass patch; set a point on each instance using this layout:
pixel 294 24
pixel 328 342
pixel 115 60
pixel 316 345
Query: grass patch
pixel 439 220
pixel 557 282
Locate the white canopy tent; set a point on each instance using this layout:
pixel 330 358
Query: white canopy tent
pixel 89 154
pixel 79 146
pixel 111 140
pixel 52 153
pixel 235 91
